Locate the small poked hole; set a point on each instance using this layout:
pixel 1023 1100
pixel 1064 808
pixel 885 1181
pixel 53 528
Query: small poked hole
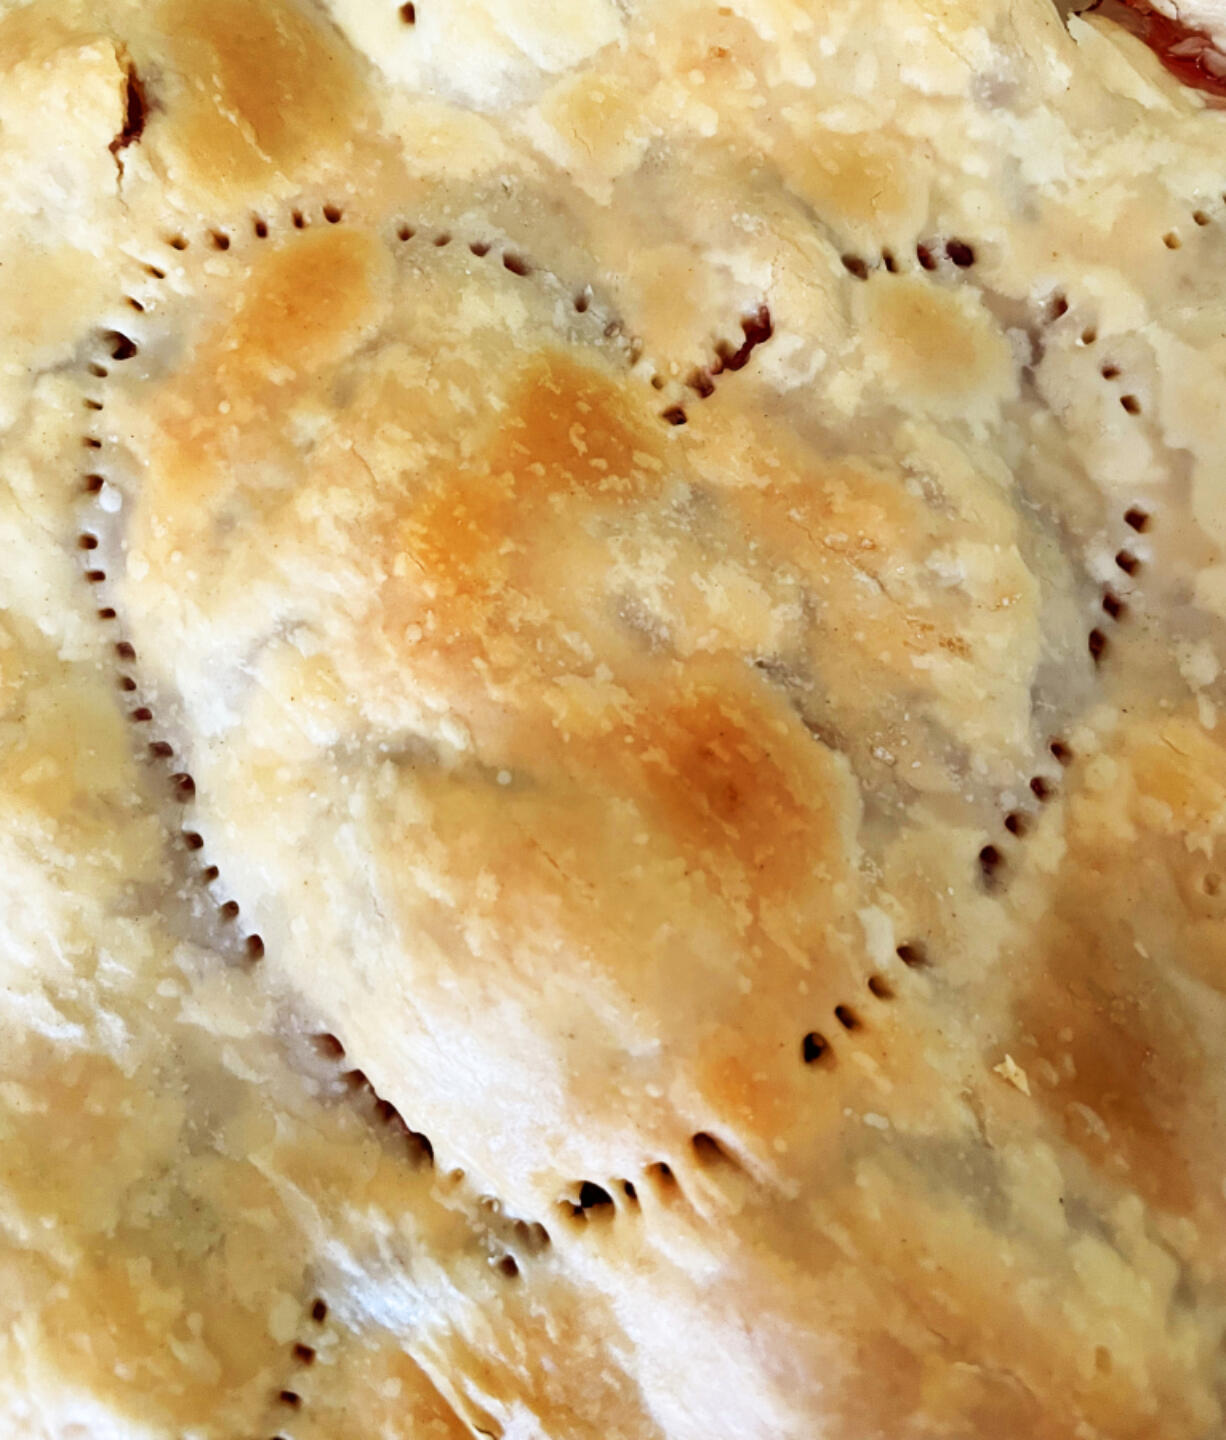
pixel 161 749
pixel 177 242
pixel 329 1046
pixel 1127 562
pixel 106 613
pixel 1040 788
pixel 1057 307
pixel 260 226
pixel 319 1312
pixel 221 241
pixel 93 404
pixel 1109 372
pixel 582 301
pixel 847 1017
pixel 142 715
pixel 480 248
pixel 134 304
pixel 1089 335
pixel 157 273
pixel 1136 518
pixel 87 542
pixel 1171 240
pixel 408 13
pixel 228 910
pixel 879 986
pixel 674 415
pixel 442 239
pixel 1017 822
pixel 1200 217
pixel 516 264
pixel 332 214
pixel 192 840
pixel 290 1398
pixel 123 347
pixel 299 220
pixel 708 1151
pixel 94 483
pixel 1097 645
pixel 1113 605
pixel 405 232
pixel 925 257
pixel 913 954
pixel 888 260
pixel 255 948
pixel 508 1267
pixel 814 1048
pixel 990 862
pixel 185 786
pixel 209 874
pixel 95 577
pixel 855 266
pixel 702 384
pixel 91 442
pixel 1061 752
pixel 127 684
pixel 1131 404
pixel 304 1354
pixel 962 255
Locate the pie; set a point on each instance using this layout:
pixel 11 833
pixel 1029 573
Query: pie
pixel 611 733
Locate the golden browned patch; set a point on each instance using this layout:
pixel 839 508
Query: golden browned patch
pixel 728 780
pixel 268 89
pixel 307 303
pixel 1122 1064
pixel 934 347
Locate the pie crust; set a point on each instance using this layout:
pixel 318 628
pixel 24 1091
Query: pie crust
pixel 610 722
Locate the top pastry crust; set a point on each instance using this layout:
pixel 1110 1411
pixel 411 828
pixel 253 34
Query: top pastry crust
pixel 609 689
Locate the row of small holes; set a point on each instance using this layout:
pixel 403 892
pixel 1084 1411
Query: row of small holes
pixel 303 1355
pixel 756 330
pixel 122 348
pixel 816 1049
pixel 1137 518
pixel 222 239
pixel 957 252
pixel 594 1199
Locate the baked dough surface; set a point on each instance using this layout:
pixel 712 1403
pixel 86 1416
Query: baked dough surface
pixel 614 806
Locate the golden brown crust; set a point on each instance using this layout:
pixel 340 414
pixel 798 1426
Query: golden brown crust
pixel 674 553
